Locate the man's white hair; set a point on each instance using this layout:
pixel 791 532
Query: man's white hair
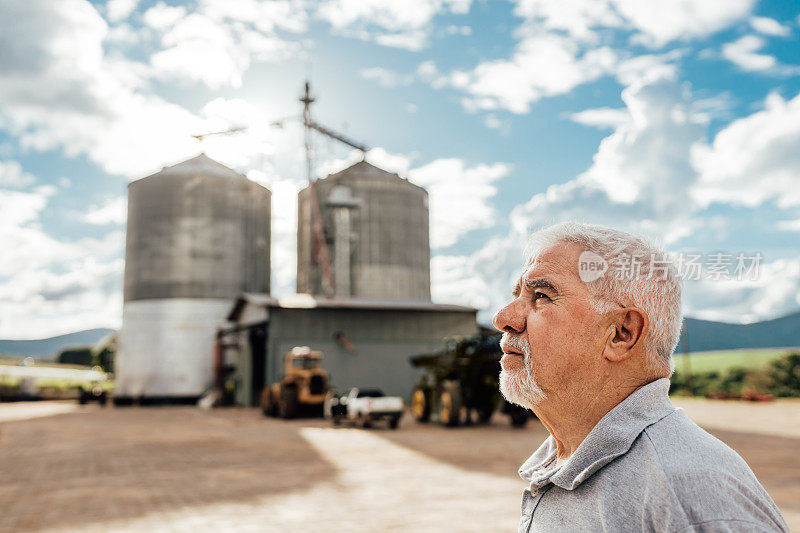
pixel 639 274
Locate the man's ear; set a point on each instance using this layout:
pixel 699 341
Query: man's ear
pixel 626 331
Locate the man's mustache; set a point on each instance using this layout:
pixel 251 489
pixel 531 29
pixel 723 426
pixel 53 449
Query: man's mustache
pixel 517 342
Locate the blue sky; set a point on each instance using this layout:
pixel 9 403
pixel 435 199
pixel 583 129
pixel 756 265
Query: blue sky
pixel 678 120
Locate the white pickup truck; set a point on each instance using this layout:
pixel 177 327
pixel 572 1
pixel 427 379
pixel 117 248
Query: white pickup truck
pixel 363 407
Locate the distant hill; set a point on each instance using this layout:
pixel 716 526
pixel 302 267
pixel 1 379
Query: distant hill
pixel 49 348
pixel 705 335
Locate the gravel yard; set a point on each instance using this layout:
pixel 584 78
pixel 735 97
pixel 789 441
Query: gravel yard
pixel 185 469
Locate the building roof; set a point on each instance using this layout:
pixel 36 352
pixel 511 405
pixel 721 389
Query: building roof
pixel 362 167
pixel 308 301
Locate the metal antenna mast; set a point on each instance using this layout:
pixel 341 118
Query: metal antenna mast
pixel 321 252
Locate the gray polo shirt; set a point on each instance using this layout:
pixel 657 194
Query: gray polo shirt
pixel 645 467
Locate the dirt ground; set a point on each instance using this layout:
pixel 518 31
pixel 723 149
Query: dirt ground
pixel 185 469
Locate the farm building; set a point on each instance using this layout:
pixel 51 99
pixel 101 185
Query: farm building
pixel 366 342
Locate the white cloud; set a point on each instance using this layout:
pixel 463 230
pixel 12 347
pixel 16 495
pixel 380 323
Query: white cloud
pixel 483 280
pixel 161 16
pixel 459 197
pixel 454 280
pixel 542 65
pixel 123 34
pixel 51 286
pixel 405 25
pixel 578 18
pixel 113 211
pixel 776 292
pixel 284 235
pixel 768 26
pixel 656 23
pixel 742 52
pixel 42 302
pixel 458 30
pixel 602 117
pixel 217 42
pixel 18 209
pixel 647 68
pixel 661 22
pixel 12 176
pixel 754 158
pixel 789 225
pixel 414 40
pixel 386 77
pixel 200 48
pixel 58 90
pixel 563 45
pixel 427 69
pixel 636 163
pixel 118 10
pixel 493 122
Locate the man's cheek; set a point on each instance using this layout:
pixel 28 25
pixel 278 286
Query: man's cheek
pixel 540 329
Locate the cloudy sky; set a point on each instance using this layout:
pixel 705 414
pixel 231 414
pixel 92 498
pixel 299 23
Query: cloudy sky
pixel 677 119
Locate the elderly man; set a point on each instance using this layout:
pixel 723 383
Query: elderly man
pixel 588 341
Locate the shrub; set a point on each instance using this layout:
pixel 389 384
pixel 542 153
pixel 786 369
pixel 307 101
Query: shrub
pixel 785 375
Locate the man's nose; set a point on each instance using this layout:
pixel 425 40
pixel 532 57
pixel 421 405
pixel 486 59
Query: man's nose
pixel 510 319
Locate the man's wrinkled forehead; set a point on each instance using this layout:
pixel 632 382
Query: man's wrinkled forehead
pixel 557 265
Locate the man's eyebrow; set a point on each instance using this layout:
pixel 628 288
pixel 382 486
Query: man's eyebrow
pixel 535 283
pixel 541 283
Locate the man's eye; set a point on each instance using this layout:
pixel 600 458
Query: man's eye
pixel 538 295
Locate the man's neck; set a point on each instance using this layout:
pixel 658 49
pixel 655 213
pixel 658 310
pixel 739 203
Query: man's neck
pixel 570 418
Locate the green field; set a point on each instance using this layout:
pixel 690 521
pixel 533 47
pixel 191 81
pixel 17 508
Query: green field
pixel 722 360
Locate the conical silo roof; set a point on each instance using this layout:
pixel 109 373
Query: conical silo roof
pixel 200 165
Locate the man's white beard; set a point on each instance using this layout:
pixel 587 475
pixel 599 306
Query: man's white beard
pixel 519 386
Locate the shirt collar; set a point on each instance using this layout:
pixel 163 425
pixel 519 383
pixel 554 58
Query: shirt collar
pixel 611 437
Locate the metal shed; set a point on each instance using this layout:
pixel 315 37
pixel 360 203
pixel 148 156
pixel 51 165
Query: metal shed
pixel 367 342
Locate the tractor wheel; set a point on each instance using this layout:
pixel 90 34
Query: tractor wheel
pixel 394 422
pixel 420 407
pixel 450 404
pixel 266 401
pixel 287 407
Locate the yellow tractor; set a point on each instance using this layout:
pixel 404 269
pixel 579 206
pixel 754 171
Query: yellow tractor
pixel 302 388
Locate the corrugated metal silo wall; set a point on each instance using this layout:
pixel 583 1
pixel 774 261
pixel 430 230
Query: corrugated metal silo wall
pixel 391 249
pixel 196 236
pixel 384 339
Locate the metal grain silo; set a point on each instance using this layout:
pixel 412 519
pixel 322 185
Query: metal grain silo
pixel 198 234
pixel 376 227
